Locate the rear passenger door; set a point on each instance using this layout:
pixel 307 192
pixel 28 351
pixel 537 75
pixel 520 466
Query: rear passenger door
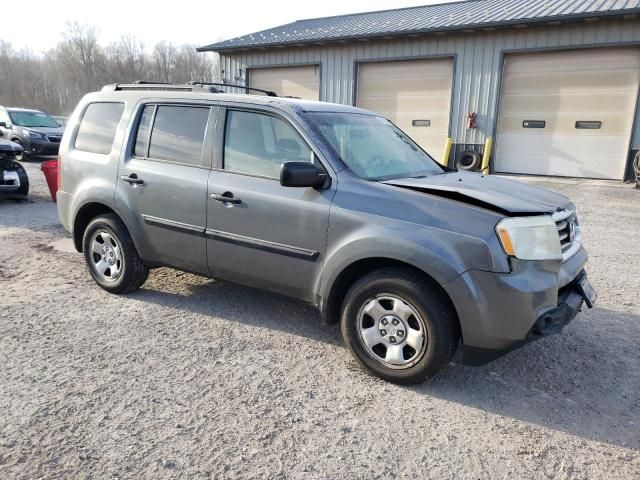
pixel 162 183
pixel 258 232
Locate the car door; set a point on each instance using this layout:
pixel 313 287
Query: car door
pixel 162 183
pixel 258 232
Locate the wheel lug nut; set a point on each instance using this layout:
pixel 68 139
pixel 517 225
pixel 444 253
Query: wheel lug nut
pixel 395 321
pixel 400 333
pixel 384 321
pixel 392 339
pixel 383 333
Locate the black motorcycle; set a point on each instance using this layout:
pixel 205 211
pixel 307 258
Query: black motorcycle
pixel 14 182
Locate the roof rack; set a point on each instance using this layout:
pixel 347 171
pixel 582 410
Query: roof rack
pixel 192 86
pixel 161 86
pixel 269 93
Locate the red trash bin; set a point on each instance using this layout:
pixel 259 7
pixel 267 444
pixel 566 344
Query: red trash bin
pixel 50 170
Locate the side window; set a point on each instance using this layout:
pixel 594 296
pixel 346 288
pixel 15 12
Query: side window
pixel 98 127
pixel 177 134
pixel 258 144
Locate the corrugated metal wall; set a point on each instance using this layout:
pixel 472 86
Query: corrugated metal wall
pixel 477 66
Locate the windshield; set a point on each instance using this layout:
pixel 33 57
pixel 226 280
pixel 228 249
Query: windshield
pixel 32 119
pixel 372 147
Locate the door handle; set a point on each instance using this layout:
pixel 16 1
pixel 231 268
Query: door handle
pixel 132 179
pixel 226 197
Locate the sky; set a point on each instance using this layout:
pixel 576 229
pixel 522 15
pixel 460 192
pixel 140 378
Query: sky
pixel 198 22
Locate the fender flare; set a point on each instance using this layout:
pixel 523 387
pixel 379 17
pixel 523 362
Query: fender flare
pixel 439 255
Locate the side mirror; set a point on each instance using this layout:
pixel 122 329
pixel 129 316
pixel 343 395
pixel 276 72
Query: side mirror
pixel 3 125
pixel 301 174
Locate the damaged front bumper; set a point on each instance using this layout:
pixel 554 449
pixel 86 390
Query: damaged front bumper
pixel 501 312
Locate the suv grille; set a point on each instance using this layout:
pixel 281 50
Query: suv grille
pixel 568 232
pixel 54 138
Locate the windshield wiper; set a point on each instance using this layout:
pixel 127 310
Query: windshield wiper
pixel 405 140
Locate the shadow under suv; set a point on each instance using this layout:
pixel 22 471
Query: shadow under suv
pixel 37 132
pixel 327 203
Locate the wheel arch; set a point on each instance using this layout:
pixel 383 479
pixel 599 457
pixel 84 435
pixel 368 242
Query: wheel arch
pixel 332 303
pixel 83 217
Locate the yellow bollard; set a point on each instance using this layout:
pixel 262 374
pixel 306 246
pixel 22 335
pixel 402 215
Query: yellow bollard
pixel 487 155
pixel 447 151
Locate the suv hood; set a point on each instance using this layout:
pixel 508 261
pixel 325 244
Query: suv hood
pixel 46 130
pixel 498 194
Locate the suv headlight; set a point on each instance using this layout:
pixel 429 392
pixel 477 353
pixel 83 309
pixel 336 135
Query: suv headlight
pixel 34 135
pixel 530 238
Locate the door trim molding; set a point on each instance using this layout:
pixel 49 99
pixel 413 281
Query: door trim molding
pixel 172 225
pixel 265 245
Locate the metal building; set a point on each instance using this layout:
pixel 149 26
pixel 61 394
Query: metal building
pixel 554 82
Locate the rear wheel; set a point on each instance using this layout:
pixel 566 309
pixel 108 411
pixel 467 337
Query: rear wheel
pixel 399 325
pixel 111 256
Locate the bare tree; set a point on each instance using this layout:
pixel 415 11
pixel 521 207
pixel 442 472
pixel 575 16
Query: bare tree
pixel 82 56
pixel 126 60
pixel 56 80
pixel 164 61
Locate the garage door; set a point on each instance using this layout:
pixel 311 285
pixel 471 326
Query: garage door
pixel 302 82
pixel 568 113
pixel 413 94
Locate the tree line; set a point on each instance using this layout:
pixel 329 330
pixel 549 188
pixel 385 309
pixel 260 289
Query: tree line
pixel 56 80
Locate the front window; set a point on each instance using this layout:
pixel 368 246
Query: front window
pixel 372 147
pixel 32 119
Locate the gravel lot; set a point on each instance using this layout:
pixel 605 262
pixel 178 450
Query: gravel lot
pixel 192 377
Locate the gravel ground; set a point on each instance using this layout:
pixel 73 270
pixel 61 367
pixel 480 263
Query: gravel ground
pixel 192 377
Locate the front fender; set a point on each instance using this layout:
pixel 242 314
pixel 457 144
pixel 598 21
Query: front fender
pixel 441 254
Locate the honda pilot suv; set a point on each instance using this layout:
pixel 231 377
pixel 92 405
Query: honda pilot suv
pixel 326 203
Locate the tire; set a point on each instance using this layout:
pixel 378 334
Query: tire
pixel 469 160
pixel 111 256
pixel 429 312
pixel 24 178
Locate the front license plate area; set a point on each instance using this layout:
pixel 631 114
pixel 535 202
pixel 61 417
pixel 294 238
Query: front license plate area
pixel 588 292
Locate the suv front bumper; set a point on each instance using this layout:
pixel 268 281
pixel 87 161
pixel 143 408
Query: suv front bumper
pixel 501 312
pixel 42 148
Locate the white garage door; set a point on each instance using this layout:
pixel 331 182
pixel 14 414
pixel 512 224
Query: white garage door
pixel 302 81
pixel 568 113
pixel 413 94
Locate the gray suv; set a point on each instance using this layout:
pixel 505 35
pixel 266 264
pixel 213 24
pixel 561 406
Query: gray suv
pixel 326 203
pixel 35 131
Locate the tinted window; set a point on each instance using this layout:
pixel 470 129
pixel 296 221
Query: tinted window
pixel 141 148
pixel 98 127
pixel 178 134
pixel 259 144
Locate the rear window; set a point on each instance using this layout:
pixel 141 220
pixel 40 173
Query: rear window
pixel 177 135
pixel 98 127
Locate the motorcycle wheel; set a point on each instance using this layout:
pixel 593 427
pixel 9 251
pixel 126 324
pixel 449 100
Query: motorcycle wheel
pixel 24 178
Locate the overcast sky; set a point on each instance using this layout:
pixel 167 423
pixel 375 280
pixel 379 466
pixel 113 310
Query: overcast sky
pixel 193 21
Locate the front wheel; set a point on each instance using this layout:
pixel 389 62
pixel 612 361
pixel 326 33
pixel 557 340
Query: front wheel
pixel 111 256
pixel 399 325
